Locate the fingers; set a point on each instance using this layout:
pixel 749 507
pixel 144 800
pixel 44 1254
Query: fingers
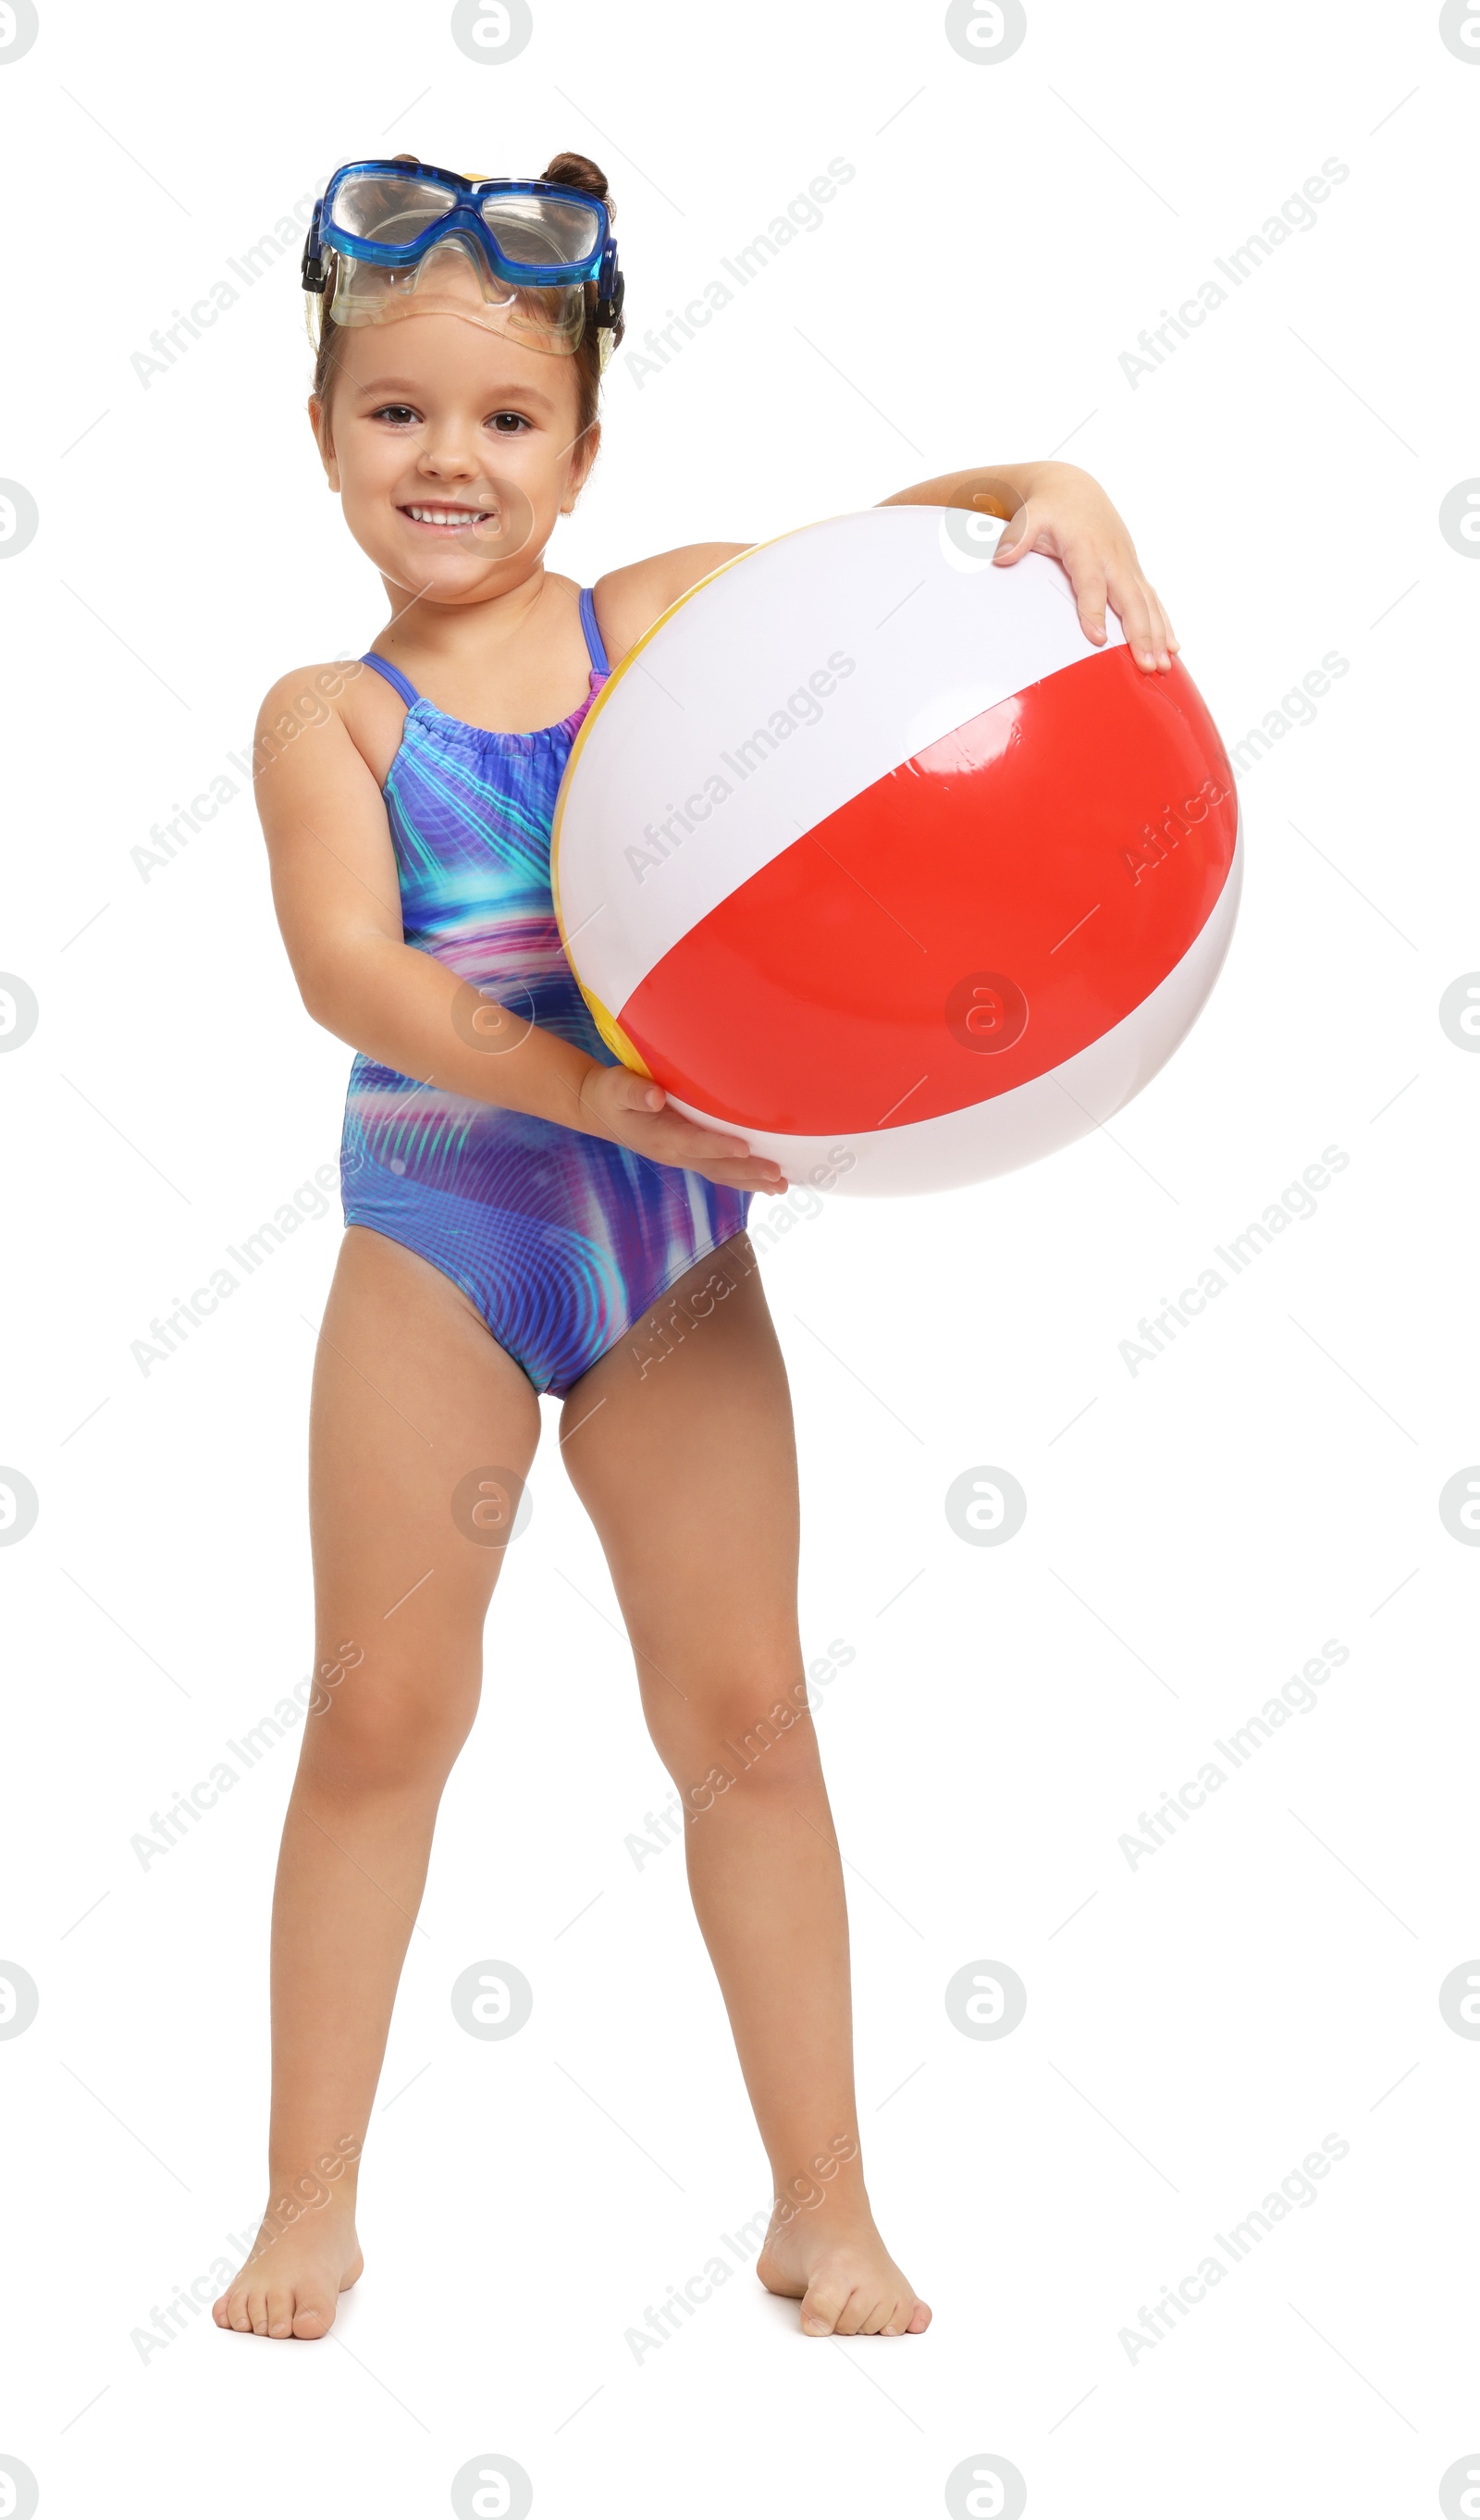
pixel 1149 633
pixel 1161 629
pixel 1090 591
pixel 1170 642
pixel 681 1141
pixel 1017 536
pixel 1100 566
pixel 635 1093
pixel 731 1171
pixel 635 1111
pixel 757 1175
pixel 672 1140
pixel 1139 621
pixel 748 1172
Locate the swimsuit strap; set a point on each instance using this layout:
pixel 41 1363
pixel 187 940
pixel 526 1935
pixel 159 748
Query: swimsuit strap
pixel 395 676
pixel 398 682
pixel 593 634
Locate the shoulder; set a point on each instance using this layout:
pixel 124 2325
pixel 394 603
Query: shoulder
pixel 309 695
pixel 340 697
pixel 628 601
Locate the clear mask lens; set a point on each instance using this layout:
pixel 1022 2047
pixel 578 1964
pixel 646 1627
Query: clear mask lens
pixel 529 229
pixel 391 209
pixel 455 279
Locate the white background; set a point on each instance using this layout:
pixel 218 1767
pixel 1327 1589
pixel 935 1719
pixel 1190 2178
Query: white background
pixel 1195 1532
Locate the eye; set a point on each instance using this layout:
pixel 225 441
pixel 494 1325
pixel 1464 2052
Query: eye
pixel 516 417
pixel 399 413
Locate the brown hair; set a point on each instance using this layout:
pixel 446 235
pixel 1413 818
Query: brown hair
pixel 582 176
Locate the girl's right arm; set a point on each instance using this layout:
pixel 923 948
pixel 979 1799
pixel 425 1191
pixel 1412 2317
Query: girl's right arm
pixel 338 906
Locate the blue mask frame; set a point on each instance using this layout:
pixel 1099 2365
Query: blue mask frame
pixel 466 218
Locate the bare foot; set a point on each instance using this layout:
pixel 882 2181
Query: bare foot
pixel 290 2285
pixel 842 2274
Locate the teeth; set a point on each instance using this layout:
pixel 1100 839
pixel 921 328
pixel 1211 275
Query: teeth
pixel 447 515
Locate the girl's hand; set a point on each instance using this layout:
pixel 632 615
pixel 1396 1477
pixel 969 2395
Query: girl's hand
pixel 633 1111
pixel 1067 514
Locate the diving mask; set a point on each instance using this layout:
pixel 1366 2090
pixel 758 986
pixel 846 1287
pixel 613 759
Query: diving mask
pixel 391 238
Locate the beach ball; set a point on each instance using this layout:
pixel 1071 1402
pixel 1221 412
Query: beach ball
pixel 870 857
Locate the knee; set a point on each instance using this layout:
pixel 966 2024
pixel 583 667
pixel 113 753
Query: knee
pixel 395 1727
pixel 757 1740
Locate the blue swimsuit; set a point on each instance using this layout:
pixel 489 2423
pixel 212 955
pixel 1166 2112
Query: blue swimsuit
pixel 562 1240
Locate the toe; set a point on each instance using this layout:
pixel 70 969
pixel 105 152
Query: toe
pixel 311 2319
pixel 238 2313
pixel 280 2309
pixel 256 2313
pixel 919 2319
pixel 821 2306
pixel 853 2316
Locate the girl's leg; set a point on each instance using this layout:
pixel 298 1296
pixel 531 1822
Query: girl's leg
pixel 410 1396
pixel 680 1445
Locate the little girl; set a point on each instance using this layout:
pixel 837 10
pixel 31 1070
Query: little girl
pixel 518 1203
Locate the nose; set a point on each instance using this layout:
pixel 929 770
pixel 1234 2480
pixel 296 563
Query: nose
pixel 445 455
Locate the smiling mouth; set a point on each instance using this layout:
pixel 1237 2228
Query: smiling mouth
pixel 448 521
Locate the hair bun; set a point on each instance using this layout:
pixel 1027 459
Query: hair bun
pixel 579 173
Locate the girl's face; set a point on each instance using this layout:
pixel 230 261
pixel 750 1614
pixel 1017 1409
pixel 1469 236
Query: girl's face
pixel 454 450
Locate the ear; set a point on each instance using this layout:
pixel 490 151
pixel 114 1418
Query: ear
pixel 318 422
pixel 580 467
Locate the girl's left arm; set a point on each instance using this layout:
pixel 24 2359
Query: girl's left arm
pixel 1057 508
